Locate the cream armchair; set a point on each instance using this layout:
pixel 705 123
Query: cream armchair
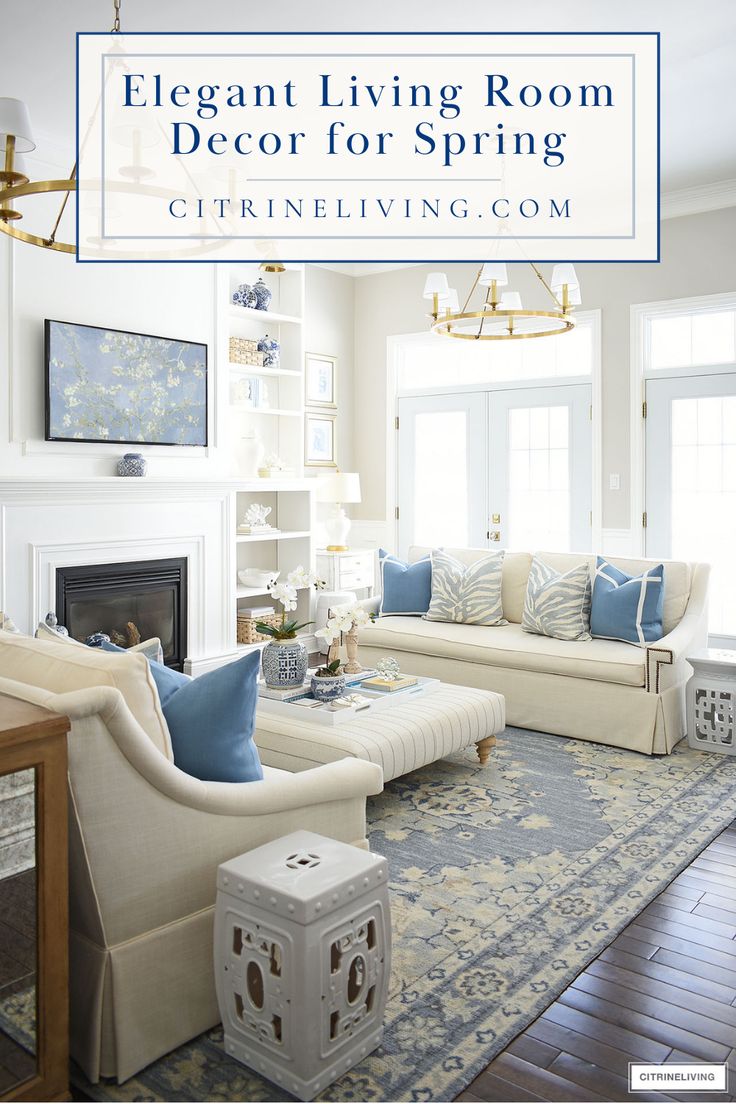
pixel 145 843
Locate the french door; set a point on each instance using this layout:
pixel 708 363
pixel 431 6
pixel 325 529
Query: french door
pixel 540 468
pixel 506 469
pixel 691 483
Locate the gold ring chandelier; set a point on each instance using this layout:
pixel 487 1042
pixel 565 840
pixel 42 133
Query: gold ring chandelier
pixel 502 317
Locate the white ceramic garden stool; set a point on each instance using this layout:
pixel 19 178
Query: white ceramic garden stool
pixel 302 958
pixel 711 701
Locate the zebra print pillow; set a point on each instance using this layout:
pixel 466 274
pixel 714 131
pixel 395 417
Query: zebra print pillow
pixel 469 595
pixel 557 604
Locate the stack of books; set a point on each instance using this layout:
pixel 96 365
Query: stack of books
pixel 387 686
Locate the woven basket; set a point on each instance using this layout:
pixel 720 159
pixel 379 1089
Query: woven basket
pixel 247 627
pixel 243 350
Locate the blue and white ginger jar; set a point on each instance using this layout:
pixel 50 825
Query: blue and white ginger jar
pixel 263 295
pixel 271 350
pixel 245 296
pixel 132 464
pixel 284 664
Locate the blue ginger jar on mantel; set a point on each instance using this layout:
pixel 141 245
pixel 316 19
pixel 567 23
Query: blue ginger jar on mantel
pixel 245 296
pixel 263 295
pixel 271 350
pixel 132 464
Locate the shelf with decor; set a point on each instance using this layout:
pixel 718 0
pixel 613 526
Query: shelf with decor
pixel 263 348
pixel 289 507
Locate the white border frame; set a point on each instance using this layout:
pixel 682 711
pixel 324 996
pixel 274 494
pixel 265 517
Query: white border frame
pixel 641 314
pixel 393 353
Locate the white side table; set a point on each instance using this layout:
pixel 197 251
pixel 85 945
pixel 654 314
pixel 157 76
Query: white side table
pixel 352 570
pixel 711 701
pixel 302 958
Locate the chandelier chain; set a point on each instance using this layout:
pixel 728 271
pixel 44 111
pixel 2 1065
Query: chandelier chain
pixel 116 23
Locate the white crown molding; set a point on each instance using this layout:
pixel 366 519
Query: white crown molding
pixel 701 198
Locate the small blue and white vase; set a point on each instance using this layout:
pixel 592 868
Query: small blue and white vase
pixel 328 688
pixel 263 295
pixel 245 296
pixel 271 350
pixel 132 464
pixel 284 664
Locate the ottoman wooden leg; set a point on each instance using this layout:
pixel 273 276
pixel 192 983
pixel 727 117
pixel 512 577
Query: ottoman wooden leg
pixel 483 747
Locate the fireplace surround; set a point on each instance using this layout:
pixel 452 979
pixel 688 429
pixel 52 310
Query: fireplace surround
pixel 129 601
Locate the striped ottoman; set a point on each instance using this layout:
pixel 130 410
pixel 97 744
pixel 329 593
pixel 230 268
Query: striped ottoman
pixel 418 730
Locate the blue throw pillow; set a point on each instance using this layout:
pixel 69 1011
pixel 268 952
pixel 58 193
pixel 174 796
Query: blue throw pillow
pixel 627 607
pixel 406 589
pixel 211 719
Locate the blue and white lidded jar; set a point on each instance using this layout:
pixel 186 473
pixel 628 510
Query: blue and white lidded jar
pixel 271 350
pixel 132 464
pixel 263 295
pixel 245 296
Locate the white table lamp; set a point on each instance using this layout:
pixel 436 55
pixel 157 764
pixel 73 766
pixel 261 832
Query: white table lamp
pixel 337 489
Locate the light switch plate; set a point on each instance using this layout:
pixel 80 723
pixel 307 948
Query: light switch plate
pixel 614 481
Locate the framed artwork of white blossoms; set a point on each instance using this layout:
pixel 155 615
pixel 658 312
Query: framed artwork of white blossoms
pixel 111 385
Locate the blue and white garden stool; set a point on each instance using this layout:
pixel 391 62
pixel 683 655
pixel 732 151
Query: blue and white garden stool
pixel 302 958
pixel 711 701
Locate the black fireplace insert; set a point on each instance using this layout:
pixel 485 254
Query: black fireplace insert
pixel 128 601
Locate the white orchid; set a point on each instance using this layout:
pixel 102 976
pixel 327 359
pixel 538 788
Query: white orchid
pixel 330 633
pixel 343 619
pixel 300 577
pixel 285 593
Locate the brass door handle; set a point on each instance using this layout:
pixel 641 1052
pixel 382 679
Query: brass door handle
pixel 495 535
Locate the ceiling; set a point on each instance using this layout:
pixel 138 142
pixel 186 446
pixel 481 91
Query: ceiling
pixel 37 54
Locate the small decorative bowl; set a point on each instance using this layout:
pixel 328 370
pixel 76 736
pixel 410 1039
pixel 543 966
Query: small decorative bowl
pixel 253 577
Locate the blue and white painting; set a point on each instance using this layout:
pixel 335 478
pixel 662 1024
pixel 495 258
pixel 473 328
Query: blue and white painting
pixel 108 385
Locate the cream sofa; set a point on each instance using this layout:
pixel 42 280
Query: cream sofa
pixel 599 690
pixel 145 843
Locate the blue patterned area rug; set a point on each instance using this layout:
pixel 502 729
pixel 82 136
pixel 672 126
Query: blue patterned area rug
pixel 506 881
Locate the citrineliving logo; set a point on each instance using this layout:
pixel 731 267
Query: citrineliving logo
pixel 681 1077
pixel 370 147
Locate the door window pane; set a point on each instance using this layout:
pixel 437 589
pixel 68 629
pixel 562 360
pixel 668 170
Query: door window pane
pixel 691 340
pixel 539 478
pixel 704 497
pixel 440 479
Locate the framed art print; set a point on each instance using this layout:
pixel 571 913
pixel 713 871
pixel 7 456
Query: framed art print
pixel 320 381
pixel 121 387
pixel 319 440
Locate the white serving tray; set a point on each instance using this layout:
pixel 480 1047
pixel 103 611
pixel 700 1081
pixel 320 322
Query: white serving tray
pixel 323 715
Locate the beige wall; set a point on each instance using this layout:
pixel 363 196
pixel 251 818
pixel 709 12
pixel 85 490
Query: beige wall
pixel 698 258
pixel 328 329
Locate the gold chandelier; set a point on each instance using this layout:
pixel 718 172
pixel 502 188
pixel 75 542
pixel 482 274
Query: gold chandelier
pixel 502 317
pixel 16 137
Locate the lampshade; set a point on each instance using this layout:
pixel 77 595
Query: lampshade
pixel 14 120
pixel 573 296
pixel 340 487
pixel 564 274
pixel 436 284
pixel 490 272
pixel 510 300
pixel 450 301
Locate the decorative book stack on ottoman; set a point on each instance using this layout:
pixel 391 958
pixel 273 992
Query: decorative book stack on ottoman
pixel 302 958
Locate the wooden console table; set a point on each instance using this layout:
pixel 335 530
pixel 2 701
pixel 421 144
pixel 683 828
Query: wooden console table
pixel 32 738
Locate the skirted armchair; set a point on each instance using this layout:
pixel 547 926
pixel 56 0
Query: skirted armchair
pixel 145 843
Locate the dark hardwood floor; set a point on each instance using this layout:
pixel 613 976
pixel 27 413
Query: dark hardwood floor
pixel 664 991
